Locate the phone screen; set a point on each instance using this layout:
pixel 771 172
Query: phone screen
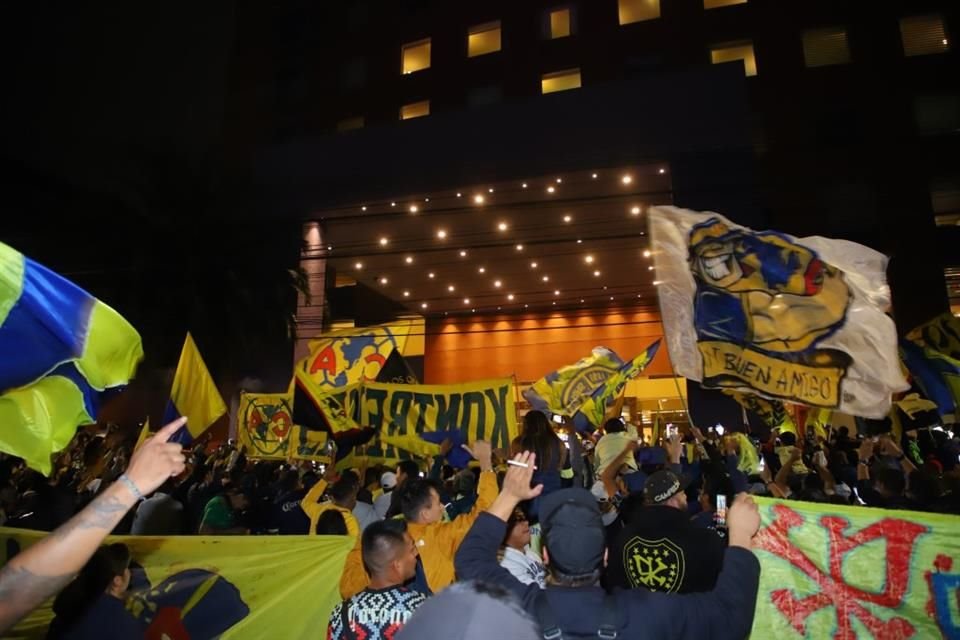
pixel 720 516
pixel 558 419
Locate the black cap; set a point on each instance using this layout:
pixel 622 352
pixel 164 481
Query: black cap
pixel 573 531
pixel 662 486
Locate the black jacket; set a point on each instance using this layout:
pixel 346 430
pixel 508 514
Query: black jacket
pixel 662 550
pixel 726 612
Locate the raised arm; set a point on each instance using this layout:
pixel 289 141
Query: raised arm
pixel 609 475
pixel 40 571
pixel 476 559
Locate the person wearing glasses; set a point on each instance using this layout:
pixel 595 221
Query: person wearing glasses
pixel 519 559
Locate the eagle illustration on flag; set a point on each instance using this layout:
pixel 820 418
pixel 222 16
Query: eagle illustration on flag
pixel 802 320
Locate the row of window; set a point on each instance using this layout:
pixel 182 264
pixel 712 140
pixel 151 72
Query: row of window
pixel 921 35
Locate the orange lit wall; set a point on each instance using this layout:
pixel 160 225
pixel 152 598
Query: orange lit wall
pixel 530 346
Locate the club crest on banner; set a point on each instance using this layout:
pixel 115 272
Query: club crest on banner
pixel 267 422
pixel 802 320
pixel 657 565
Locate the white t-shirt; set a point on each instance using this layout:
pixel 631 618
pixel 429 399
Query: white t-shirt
pixel 526 566
pixel 382 504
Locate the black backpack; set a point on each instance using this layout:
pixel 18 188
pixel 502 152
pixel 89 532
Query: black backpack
pixel 609 619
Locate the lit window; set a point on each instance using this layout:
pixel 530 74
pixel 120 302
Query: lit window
pixel 560 81
pixel 483 39
pixel 742 51
pixel 415 110
pixel 416 56
pixel 638 10
pixel 824 47
pixel 716 4
pixel 923 35
pixel 349 124
pixel 559 23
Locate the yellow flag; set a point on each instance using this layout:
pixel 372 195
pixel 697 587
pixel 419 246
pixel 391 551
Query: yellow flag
pixel 144 434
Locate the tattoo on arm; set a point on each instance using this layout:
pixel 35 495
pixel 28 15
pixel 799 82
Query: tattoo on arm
pixel 22 590
pixel 100 514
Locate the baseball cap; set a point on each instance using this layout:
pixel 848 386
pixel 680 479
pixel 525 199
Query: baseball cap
pixel 663 485
pixel 388 480
pixel 572 530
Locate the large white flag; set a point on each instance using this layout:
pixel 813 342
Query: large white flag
pixel 796 319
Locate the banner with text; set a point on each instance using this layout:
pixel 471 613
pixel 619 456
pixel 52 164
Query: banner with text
pixel 226 587
pixel 482 410
pixel 842 572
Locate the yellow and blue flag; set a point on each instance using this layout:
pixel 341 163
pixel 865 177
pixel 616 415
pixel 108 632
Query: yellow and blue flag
pixel 595 410
pixel 194 395
pixel 564 390
pixel 60 348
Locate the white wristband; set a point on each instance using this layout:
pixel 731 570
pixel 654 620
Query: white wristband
pixel 131 486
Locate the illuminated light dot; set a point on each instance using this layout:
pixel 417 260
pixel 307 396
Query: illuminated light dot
pixel 646 253
pixel 384 281
pixel 426 199
pixel 510 297
pixel 451 288
pixel 478 199
pixel 463 254
pixel 635 211
pixel 559 180
pixel 384 242
pixel 579 241
pixel 554 303
pixel 358 266
pixel 490 190
pixel 524 185
pixel 567 218
pixel 650 268
pixel 519 247
pixel 431 275
pixel 581 300
pixel 611 297
pixel 442 234
pixel 557 292
pixel 473 310
pixel 482 270
pixel 502 226
pixel 408 259
pixel 588 259
pixel 466 301
pixel 657 283
pixel 459 195
pixel 533 265
pixel 596 274
pixel 626 179
pixel 497 284
pixel 363 208
pixel 423 305
pixel 329 248
pixel 393 204
pixel 594 176
pixel 550 189
pixel 414 208
pixel 406 294
pixel 662 171
pixel 546 278
pixel 526 306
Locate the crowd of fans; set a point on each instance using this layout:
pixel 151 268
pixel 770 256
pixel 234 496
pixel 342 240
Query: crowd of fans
pixel 567 533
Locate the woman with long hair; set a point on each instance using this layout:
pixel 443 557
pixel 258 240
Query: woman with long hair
pixel 92 606
pixel 539 437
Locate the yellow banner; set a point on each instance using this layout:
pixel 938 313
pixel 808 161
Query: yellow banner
pixel 483 410
pixel 350 356
pixel 227 587
pixel 729 365
pixel 266 429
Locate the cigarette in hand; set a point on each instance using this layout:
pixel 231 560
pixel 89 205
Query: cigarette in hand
pixel 520 464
